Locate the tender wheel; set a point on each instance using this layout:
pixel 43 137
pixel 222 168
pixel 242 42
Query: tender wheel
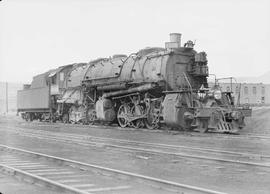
pixel 122 116
pixel 27 117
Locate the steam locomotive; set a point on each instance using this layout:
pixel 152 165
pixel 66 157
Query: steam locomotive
pixel 154 87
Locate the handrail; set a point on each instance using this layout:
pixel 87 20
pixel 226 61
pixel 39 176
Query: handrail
pixel 191 89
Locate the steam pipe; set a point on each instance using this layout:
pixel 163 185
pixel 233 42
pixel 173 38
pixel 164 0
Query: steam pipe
pixel 141 88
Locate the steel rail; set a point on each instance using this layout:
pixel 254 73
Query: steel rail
pixel 117 140
pixel 40 179
pixel 218 135
pixel 173 146
pixel 151 151
pixel 163 182
pixel 158 145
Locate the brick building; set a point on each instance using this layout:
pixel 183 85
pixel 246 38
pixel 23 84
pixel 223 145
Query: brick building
pixel 252 93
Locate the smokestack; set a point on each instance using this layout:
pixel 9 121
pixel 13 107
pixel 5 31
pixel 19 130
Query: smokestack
pixel 175 41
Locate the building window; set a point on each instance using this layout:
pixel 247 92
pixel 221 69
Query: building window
pixel 263 90
pixel 246 90
pixel 254 90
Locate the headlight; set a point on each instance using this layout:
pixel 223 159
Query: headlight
pixel 235 115
pixel 217 94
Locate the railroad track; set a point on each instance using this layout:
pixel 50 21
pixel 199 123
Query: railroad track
pixel 216 135
pixel 71 176
pixel 222 156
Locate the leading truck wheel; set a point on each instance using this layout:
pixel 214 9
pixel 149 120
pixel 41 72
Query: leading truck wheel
pixel 122 116
pixel 203 125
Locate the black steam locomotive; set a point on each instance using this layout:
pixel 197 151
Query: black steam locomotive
pixel 151 88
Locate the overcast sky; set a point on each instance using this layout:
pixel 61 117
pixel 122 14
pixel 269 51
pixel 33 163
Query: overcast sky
pixel 37 35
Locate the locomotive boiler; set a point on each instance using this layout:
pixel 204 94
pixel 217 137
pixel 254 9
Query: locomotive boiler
pixel 151 88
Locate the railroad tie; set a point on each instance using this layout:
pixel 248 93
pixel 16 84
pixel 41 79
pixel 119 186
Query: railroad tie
pixel 53 173
pixel 81 186
pixel 108 188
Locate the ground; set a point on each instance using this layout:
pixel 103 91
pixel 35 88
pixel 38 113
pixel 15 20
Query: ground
pixel 229 178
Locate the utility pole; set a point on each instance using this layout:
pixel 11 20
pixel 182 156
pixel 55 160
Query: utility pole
pixel 6 97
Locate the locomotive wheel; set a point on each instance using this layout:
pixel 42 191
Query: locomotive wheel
pixel 152 119
pixel 137 111
pixel 52 118
pixel 122 116
pixel 65 118
pixel 90 116
pixel 150 123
